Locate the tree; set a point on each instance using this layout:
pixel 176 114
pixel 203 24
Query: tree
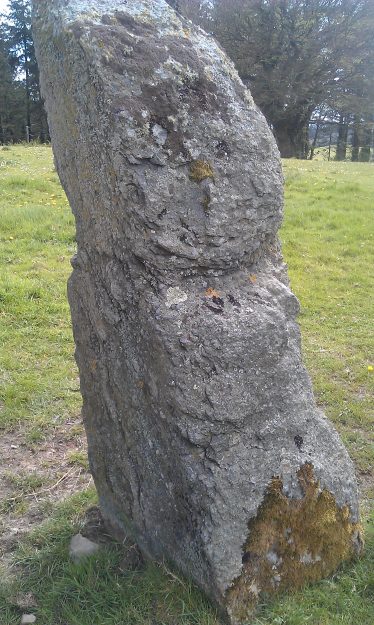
pixel 352 104
pixel 196 10
pixel 363 111
pixel 291 53
pixel 17 38
pixel 11 98
pixel 21 48
pixel 5 90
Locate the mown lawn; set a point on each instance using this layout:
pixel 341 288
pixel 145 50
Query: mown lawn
pixel 328 238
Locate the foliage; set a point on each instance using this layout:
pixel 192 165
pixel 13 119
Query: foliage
pixel 21 103
pixel 11 98
pixel 300 59
pixel 295 55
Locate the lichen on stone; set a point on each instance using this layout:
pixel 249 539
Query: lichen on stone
pixel 292 542
pixel 201 170
pixel 206 203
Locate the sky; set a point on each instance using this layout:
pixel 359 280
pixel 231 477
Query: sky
pixel 3 5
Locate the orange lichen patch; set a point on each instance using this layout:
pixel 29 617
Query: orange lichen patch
pixel 252 278
pixel 292 542
pixel 200 170
pixel 211 292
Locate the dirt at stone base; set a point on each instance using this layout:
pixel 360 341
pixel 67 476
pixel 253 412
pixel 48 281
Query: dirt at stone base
pixel 36 475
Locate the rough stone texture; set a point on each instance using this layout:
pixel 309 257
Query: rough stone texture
pixel 202 428
pixel 81 548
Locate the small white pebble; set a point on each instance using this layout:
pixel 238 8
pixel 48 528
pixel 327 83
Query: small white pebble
pixel 28 619
pixel 80 548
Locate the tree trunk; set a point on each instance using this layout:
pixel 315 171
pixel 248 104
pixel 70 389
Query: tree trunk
pixel 27 86
pixel 314 143
pixel 341 145
pixel 356 138
pixel 364 155
pixel 329 153
pixel 2 131
pixel 292 138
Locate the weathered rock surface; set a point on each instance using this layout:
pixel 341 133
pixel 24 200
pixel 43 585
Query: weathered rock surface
pixel 81 548
pixel 205 442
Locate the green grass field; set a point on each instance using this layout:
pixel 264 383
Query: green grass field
pixel 328 241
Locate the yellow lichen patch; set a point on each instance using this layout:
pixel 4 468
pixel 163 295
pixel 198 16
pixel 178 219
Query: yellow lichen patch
pixel 200 170
pixel 292 542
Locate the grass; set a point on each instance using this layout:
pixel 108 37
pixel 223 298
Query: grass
pixel 78 458
pixel 22 485
pixel 102 591
pixel 38 375
pixel 328 243
pixel 328 239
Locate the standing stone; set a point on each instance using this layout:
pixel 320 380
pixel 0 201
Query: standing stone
pixel 205 442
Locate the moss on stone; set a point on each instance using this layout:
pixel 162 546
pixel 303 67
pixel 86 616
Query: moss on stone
pixel 292 542
pixel 206 203
pixel 201 170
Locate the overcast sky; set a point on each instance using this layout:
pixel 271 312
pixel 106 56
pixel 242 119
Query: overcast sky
pixel 3 5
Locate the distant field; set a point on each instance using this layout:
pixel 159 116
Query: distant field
pixel 328 242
